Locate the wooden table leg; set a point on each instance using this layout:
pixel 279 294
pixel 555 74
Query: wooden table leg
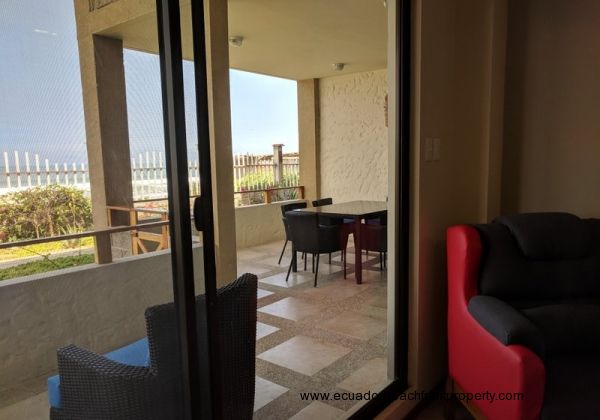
pixel 357 251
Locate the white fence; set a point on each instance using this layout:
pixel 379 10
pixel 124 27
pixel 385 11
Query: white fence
pixel 148 173
pixel 255 172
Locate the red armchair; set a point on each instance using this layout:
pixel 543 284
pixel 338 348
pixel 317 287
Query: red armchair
pixel 518 290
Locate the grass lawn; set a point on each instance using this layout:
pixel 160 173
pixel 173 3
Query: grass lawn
pixel 44 249
pixel 43 266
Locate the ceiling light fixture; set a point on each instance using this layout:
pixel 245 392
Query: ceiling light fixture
pixel 236 41
pixel 338 66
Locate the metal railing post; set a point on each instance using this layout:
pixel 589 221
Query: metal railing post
pixel 278 163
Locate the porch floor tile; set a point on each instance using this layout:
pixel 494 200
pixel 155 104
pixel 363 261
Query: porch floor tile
pixel 370 377
pixel 262 330
pixel 265 392
pixel 355 325
pixel 320 411
pixel 291 308
pixel 306 355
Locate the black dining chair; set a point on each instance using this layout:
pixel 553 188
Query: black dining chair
pixel 374 238
pixel 326 220
pixel 376 220
pixel 284 209
pixel 309 236
pixel 322 202
pixel 347 225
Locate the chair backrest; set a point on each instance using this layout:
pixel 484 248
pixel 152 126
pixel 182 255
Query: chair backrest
pixel 292 206
pixel 540 256
pixel 304 231
pixel 322 202
pixel 236 315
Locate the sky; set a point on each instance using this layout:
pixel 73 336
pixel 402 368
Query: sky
pixel 41 108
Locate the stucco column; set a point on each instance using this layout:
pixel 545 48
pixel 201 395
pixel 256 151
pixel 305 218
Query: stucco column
pixel 217 57
pixel 107 134
pixel 308 136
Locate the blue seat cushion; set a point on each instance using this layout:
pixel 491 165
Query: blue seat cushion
pixel 134 354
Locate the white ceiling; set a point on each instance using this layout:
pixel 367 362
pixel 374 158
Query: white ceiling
pixel 295 39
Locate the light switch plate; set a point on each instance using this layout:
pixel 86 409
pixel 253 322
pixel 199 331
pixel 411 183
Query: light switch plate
pixel 436 153
pixel 428 149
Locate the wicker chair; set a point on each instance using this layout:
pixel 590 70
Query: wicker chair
pixel 95 387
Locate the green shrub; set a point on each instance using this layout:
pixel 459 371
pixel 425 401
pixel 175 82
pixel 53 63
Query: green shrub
pixel 43 211
pixel 264 180
pixel 45 265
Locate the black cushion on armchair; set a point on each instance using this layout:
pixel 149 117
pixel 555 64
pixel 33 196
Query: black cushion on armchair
pixel 539 286
pixel 569 237
pixel 527 260
pixel 568 327
pixel 547 267
pixel 506 323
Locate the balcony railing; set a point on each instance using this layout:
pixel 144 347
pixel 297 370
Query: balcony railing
pixel 148 226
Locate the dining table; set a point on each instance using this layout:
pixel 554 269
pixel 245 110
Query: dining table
pixel 357 211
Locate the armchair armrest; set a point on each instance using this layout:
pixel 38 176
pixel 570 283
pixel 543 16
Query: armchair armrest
pixel 73 358
pixel 506 323
pixel 478 361
pixel 91 384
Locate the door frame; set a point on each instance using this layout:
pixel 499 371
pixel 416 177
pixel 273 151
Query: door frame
pixel 198 377
pixel 199 351
pixel 400 81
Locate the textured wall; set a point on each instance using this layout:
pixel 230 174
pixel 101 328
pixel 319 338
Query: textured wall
pixel 353 147
pixel 99 4
pixel 99 307
pixel 260 224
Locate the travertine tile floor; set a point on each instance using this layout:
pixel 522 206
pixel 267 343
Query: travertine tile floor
pixel 331 338
pixel 325 339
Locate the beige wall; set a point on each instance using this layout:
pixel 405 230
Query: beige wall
pixel 353 146
pixel 259 224
pixel 552 125
pixel 98 307
pixel 455 99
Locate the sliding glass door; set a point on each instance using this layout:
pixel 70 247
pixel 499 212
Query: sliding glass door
pixel 182 46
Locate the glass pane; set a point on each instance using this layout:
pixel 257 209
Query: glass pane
pixel 83 155
pixel 322 333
